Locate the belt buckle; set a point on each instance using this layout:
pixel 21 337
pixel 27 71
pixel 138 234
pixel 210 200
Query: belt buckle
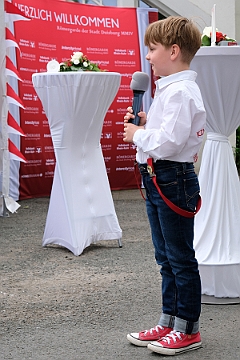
pixel 150 170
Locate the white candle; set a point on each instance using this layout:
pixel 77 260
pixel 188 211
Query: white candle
pixel 213 36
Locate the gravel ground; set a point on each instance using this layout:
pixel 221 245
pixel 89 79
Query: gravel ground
pixel 57 306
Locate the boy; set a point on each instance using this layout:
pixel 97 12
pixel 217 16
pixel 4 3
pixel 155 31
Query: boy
pixel 171 135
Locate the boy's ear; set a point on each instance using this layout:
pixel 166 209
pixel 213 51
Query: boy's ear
pixel 175 51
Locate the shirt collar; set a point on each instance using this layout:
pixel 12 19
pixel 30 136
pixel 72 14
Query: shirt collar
pixel 179 76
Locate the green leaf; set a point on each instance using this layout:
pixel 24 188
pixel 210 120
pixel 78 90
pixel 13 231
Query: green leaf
pixel 229 39
pixel 206 41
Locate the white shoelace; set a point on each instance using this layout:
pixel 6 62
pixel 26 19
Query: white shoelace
pixel 156 328
pixel 173 335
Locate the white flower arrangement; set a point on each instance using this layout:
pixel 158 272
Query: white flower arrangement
pixel 206 36
pixel 77 62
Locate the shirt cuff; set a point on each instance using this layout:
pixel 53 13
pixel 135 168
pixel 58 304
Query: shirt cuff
pixel 137 137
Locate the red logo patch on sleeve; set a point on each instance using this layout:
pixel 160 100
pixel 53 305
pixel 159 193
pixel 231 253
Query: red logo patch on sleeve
pixel 200 132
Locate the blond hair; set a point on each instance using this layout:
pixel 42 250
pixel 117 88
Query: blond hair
pixel 175 30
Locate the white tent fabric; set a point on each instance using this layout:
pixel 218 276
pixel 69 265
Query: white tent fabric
pixel 4 160
pixel 217 235
pixel 81 209
pixel 6 202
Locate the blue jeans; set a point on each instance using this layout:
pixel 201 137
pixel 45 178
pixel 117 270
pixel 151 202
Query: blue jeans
pixel 172 237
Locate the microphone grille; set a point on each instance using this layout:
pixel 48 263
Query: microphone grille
pixel 140 81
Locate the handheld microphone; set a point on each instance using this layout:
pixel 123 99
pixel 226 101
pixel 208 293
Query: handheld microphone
pixel 139 84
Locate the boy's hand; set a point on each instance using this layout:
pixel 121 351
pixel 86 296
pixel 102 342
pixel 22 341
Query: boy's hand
pixel 129 115
pixel 129 128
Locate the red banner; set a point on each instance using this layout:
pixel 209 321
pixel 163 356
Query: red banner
pixel 107 36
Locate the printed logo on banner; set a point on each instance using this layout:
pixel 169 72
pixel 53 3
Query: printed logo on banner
pixel 28 176
pixel 107 123
pixel 27 96
pixel 121 52
pixel 106 147
pixel 26 43
pixel 48 149
pixel 128 76
pixel 28 70
pixel 97 50
pixel 125 168
pixel 120 134
pixel 33 150
pixel 38 149
pixel 107 135
pixel 32 122
pixel 121 111
pixel 44 59
pixel 121 63
pixel 47 46
pixel 31 110
pixel 49 174
pixel 124 87
pixel 124 146
pixel 50 162
pixel 124 52
pixel 102 63
pixel 71 48
pixel 124 99
pixel 27 56
pixel 26 82
pixel 33 163
pixel 32 136
pixel 45 123
pixel 125 158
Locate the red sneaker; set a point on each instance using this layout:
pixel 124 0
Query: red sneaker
pixel 143 338
pixel 175 343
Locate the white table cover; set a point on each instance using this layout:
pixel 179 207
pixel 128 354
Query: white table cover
pixel 81 209
pixel 217 235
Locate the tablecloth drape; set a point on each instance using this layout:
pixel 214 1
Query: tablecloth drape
pixel 217 235
pixel 81 209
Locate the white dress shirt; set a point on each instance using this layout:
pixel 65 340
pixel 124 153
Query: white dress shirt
pixel 175 121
